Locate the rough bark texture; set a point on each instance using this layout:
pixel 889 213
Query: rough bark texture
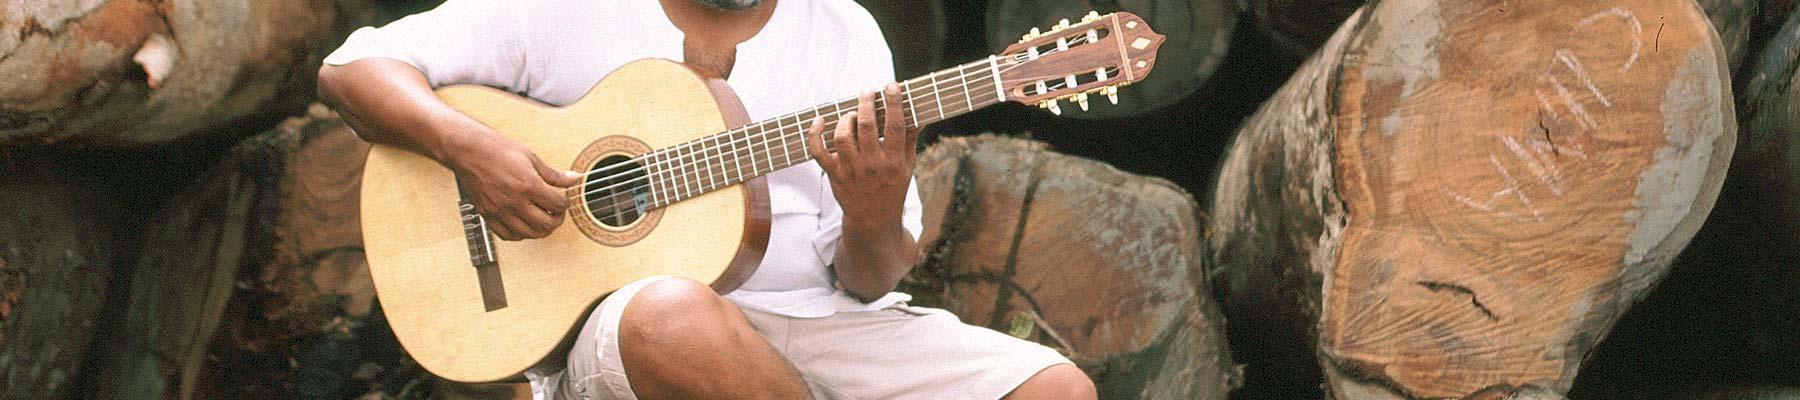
pixel 56 251
pixel 1299 27
pixel 1076 255
pixel 1729 314
pixel 1734 20
pixel 915 34
pixel 1199 32
pixel 129 72
pixel 1454 196
pixel 252 283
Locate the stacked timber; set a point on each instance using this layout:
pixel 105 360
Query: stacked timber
pixel 1077 255
pixel 128 72
pixel 1462 197
pixel 56 254
pixel 1198 31
pixel 252 283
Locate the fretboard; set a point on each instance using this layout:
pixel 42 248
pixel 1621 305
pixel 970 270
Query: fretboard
pixel 724 159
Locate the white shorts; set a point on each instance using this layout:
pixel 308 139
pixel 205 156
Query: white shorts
pixel 899 352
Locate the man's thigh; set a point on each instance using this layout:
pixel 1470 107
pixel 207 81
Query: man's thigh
pixel 902 352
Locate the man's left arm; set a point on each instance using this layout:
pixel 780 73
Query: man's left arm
pixel 870 173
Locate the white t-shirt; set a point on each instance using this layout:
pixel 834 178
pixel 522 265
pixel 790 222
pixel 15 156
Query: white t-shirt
pixel 811 52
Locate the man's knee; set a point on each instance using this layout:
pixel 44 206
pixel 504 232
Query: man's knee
pixel 673 306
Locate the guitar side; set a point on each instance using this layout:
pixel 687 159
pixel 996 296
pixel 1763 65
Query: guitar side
pixel 420 260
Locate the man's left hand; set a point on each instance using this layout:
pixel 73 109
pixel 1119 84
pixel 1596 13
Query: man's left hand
pixel 871 167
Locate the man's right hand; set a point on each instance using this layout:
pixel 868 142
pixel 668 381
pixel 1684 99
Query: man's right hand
pixel 388 101
pixel 518 195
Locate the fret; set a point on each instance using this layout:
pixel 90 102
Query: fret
pixel 936 96
pixel 737 160
pixel 709 154
pixel 907 99
pixel 688 172
pixel 650 179
pixel 964 76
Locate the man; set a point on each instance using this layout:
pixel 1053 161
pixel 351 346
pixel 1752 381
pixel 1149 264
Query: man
pixel 849 220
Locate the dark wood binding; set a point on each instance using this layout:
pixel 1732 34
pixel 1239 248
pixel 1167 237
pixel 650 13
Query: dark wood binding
pixel 756 193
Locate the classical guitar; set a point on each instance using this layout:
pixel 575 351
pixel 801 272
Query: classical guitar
pixel 676 191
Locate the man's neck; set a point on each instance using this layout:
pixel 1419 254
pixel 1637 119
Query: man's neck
pixel 712 35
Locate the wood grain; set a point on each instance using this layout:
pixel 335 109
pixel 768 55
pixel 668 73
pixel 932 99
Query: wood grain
pixel 1451 222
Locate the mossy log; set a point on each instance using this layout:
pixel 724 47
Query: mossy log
pixel 1199 33
pixel 1077 255
pixel 1456 196
pixel 56 254
pixel 129 73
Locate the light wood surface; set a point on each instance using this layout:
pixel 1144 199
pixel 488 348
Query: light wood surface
pixel 419 259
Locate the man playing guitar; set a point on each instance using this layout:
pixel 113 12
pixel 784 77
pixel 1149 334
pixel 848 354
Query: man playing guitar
pixel 817 318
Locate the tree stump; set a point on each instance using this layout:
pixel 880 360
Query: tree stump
pixel 1734 20
pixel 914 30
pixel 56 254
pixel 127 73
pixel 1452 196
pixel 1198 31
pixel 1074 254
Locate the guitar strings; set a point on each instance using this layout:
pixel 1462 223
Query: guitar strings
pixel 960 70
pixel 618 208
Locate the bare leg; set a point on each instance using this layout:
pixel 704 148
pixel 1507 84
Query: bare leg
pixel 1061 381
pixel 679 340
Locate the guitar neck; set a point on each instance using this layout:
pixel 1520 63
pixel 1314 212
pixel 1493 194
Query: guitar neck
pixel 720 160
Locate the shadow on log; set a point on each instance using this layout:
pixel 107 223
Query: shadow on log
pixel 1456 196
pixel 56 254
pixel 1076 255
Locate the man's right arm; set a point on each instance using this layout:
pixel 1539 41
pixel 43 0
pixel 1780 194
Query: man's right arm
pixel 381 82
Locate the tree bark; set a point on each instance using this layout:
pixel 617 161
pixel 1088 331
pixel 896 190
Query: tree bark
pixel 56 251
pixel 1453 196
pixel 1074 254
pixel 1198 31
pixel 132 73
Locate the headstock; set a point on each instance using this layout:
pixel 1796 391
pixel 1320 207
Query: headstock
pixel 1096 56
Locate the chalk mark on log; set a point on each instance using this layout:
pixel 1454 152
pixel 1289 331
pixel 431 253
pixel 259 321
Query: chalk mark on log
pixel 1475 301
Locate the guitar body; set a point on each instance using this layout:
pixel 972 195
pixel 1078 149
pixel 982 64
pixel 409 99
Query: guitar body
pixel 445 313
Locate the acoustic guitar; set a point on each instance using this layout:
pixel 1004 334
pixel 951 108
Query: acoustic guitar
pixel 676 189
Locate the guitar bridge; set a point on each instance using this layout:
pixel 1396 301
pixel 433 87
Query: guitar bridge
pixel 481 255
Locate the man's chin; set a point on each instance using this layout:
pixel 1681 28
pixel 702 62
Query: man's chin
pixel 730 5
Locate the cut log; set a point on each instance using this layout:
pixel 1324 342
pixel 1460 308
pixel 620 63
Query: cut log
pixel 915 33
pixel 1076 255
pixel 56 254
pixel 125 72
pixel 1729 313
pixel 1452 196
pixel 252 282
pixel 1198 31
pixel 1300 26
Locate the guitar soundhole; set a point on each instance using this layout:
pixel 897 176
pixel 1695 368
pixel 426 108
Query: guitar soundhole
pixel 616 192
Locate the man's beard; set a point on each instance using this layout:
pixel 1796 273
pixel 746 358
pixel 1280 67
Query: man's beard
pixel 730 5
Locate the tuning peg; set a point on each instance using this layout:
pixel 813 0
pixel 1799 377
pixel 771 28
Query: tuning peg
pixel 1091 16
pixel 1031 35
pixel 1112 94
pixel 1061 25
pixel 1081 100
pixel 1051 105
